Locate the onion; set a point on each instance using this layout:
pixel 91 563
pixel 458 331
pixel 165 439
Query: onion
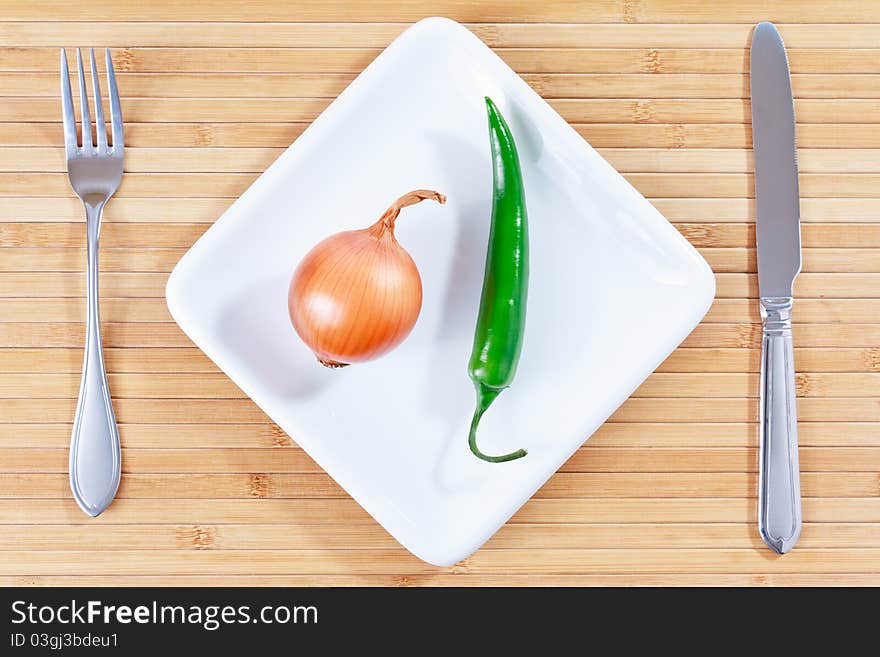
pixel 357 294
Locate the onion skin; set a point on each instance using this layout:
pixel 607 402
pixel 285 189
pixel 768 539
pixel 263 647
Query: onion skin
pixel 357 294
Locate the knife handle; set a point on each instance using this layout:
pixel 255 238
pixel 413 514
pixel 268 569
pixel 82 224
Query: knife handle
pixel 779 488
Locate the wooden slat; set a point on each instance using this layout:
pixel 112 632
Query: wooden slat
pixel 48 360
pixel 740 259
pixel 599 134
pixel 138 185
pixel 806 335
pixel 575 110
pixel 634 410
pixel 735 185
pixel 73 310
pixel 206 210
pixel 267 435
pixel 346 511
pixel 616 434
pixel 125 235
pixel 747 385
pixel 807 286
pixel 748 360
pixel 252 135
pixel 210 85
pixel 720 434
pixel 627 160
pixel 171 360
pixel 616 61
pixel 707 135
pixel 148 134
pixel 114 334
pixel 143 284
pixel 443 579
pixel 723 311
pixel 598 485
pixel 73 259
pixel 166 334
pixel 602 11
pixel 852 560
pixel 593 457
pixel 683 85
pixel 579 59
pixel 150 160
pixel 261 34
pixel 812 235
pixel 164 360
pixel 332 10
pixel 551 85
pixel 328 537
pixel 655 185
pixel 817 311
pixel 112 284
pixel 662 11
pixel 732 160
pixel 132 235
pixel 134 386
pixel 218 386
pixel 123 210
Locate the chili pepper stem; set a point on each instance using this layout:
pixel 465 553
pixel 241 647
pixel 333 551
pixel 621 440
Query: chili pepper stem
pixel 485 396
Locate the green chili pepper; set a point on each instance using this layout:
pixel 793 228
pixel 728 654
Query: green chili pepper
pixel 501 322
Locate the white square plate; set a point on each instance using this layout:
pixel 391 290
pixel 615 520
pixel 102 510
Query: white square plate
pixel 614 289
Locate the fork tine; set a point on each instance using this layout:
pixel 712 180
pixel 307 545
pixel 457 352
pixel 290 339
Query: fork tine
pixel 84 104
pixel 100 129
pixel 67 108
pixel 115 109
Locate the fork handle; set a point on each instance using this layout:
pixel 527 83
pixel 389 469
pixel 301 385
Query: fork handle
pixel 779 491
pixel 95 454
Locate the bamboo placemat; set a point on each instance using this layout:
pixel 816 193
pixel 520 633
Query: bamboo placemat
pixel 214 493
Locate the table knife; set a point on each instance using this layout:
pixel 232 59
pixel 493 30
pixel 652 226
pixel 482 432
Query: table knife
pixel 779 262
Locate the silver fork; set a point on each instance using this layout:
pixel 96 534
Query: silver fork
pixel 95 170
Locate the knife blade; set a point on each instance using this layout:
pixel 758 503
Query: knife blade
pixel 779 261
pixel 776 173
